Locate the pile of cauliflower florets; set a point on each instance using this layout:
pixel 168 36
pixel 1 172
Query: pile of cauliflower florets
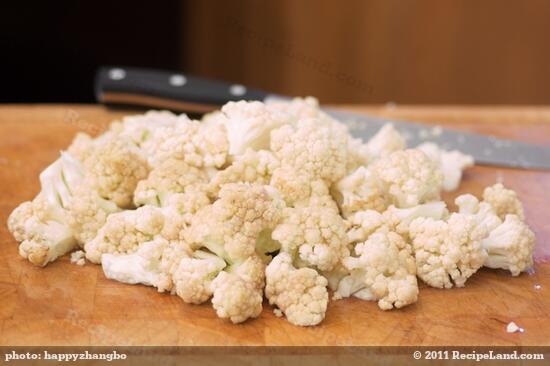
pixel 274 200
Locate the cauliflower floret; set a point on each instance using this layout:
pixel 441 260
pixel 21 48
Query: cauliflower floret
pixel 399 219
pixel 316 147
pixel 41 225
pixel 238 292
pixel 362 224
pixel 59 180
pixel 138 267
pixel 114 168
pixel 232 225
pixel 297 108
pixel 301 294
pixel 386 141
pixel 169 177
pixel 151 264
pixel 81 147
pixel 359 191
pixel 358 154
pixel 124 232
pixel 483 213
pixel 385 270
pixel 451 163
pixel 316 236
pixel 149 130
pixel 409 177
pixel 300 190
pixel 179 210
pixel 41 231
pixel 194 275
pixel 510 246
pixel 249 125
pixel 197 144
pixel 504 201
pixel 88 212
pixel 447 252
pixel 251 167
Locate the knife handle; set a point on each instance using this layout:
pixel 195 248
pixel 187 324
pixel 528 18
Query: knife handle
pixel 131 86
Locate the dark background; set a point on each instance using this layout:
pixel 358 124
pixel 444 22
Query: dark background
pixel 441 52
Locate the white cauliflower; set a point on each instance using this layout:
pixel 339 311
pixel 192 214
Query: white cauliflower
pixel 199 145
pixel 148 131
pixel 249 125
pixel 252 167
pixel 139 267
pixel 124 232
pixel 81 147
pixel 384 270
pixel 358 154
pixel 300 190
pixel 301 294
pixel 504 201
pixel 362 224
pixel 510 246
pixel 88 212
pixel 78 258
pixel 114 168
pixel 315 236
pixel 179 210
pixel 238 291
pixel 360 191
pixel 451 163
pixel 41 225
pixel 316 147
pixel 269 198
pixel 409 177
pixel 152 264
pixel 509 243
pixel 232 225
pixel 399 219
pixel 297 108
pixel 169 177
pixel 386 141
pixel 194 274
pixel 448 252
pixel 41 230
pixel 484 214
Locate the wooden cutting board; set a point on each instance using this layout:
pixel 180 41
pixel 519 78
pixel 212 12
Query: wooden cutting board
pixel 64 304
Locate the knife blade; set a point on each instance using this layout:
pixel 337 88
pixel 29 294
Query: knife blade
pixel 132 86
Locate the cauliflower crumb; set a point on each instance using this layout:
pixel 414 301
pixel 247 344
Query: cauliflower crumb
pixel 513 328
pixel 78 258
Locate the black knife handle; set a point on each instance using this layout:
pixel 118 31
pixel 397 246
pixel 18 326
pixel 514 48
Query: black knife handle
pixel 176 91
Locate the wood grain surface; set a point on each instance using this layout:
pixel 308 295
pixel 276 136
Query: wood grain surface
pixel 64 304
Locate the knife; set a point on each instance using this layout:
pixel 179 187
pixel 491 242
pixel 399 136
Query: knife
pixel 176 91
